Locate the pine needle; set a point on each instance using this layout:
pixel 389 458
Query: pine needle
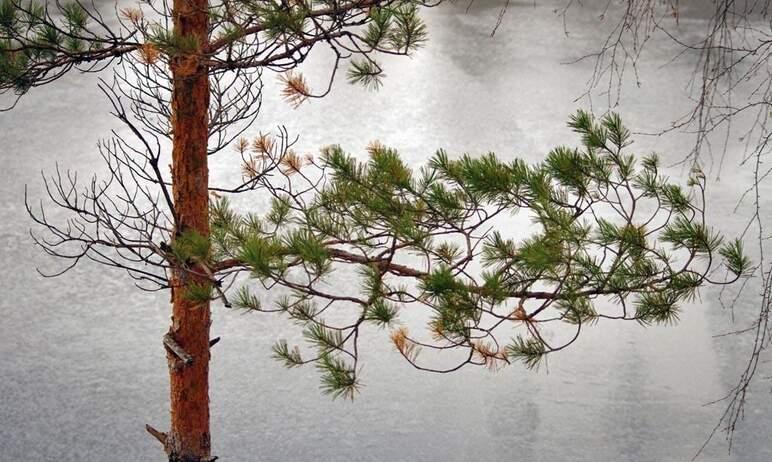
pixel 296 90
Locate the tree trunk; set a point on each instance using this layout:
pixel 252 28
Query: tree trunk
pixel 188 439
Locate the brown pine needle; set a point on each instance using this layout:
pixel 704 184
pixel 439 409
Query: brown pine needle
pixel 148 53
pixel 519 314
pixel 133 15
pixel 263 145
pixel 375 147
pixel 242 144
pixel 408 349
pixel 489 355
pixel 296 90
pixel 250 169
pixel 291 162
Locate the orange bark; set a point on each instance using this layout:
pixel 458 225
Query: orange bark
pixel 188 439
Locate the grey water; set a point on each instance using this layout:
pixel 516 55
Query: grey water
pixel 82 369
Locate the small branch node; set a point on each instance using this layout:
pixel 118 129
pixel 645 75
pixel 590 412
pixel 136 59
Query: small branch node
pixel 159 435
pixel 177 350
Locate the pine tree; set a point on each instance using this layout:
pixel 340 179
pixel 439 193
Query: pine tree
pixel 186 73
pixel 609 232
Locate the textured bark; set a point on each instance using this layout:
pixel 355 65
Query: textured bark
pixel 188 439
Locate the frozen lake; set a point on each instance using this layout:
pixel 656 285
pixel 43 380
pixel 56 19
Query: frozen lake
pixel 81 362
